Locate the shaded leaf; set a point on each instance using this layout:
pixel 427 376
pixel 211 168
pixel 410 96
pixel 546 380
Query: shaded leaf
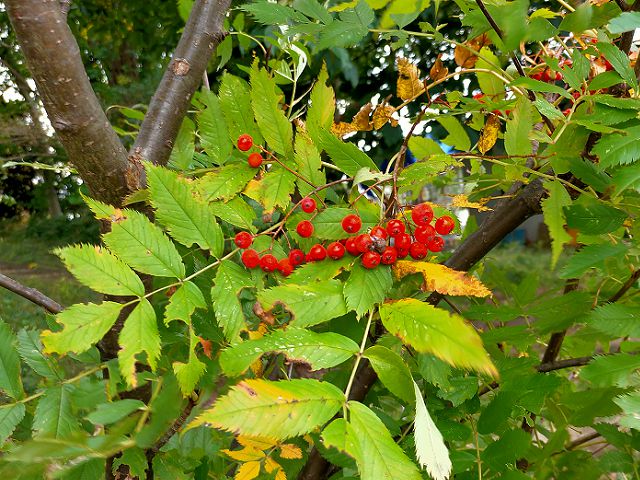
pixel 392 371
pixel 230 279
pixel 367 287
pixel 10 381
pixel 54 417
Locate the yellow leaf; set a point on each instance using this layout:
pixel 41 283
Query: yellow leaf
pixel 341 129
pixel 442 279
pixel 290 451
pixel 382 115
pixel 246 454
pixel 259 443
pixel 270 465
pixel 280 475
pixel 361 119
pixel 248 471
pixel 489 134
pixel 462 201
pixel 438 71
pixel 409 84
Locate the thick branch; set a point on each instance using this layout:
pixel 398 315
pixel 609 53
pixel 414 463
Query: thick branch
pixel 53 57
pixel 169 104
pixel 30 294
pixel 566 363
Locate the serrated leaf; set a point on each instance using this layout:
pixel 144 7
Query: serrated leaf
pixel 10 416
pixel 144 246
pixel 319 350
pixel 346 156
pixel 135 459
pixel 316 303
pixel 489 134
pixel 590 173
pixel 225 182
pixel 349 29
pixel 183 146
pixel 591 256
pixel 309 165
pixel 432 330
pixel 625 22
pixel 277 410
pixel 273 190
pixel 188 374
pixel 213 130
pixel 431 451
pixel 235 101
pixel 616 320
pixel 594 219
pixel 247 471
pixel 112 412
pixel 32 353
pixel 620 62
pixel 54 416
pixel 554 217
pixel 236 212
pixel 328 223
pixel 367 287
pixel 457 137
pixel 139 334
pixel 183 303
pixel 318 271
pixel 100 270
pixel 230 279
pixel 516 136
pixel 376 453
pixel 442 279
pixel 392 371
pixel 185 215
pixel 268 13
pixel 83 325
pixel 626 177
pixel 100 210
pixel 10 381
pixel 408 84
pixel 490 85
pixel 424 148
pixel 323 104
pixel 618 149
pixel 608 370
pixel 630 405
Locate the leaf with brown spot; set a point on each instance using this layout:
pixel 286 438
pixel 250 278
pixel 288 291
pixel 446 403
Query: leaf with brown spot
pixel 441 279
pixel 438 71
pixel 383 114
pixel 290 451
pixel 489 134
pixel 409 84
pixel 462 201
pixel 341 129
pixel 359 123
pixel 465 57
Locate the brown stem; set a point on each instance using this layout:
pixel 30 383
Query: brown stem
pixel 625 287
pixel 30 294
pixel 566 363
pixel 555 341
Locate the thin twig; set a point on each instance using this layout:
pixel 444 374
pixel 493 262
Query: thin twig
pixel 30 294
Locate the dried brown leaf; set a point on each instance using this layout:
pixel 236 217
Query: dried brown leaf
pixel 462 201
pixel 438 71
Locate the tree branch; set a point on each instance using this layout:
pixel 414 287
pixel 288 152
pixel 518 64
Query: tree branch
pixel 566 363
pixel 169 104
pixel 625 287
pixel 30 294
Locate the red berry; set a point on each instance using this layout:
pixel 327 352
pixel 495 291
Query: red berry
pixel 607 65
pixel 418 250
pixel 403 252
pixel 558 76
pixel 296 257
pixel 352 246
pixel 378 232
pixel 478 96
pixel 255 160
pixel 537 76
pixel 422 214
pixel 250 258
pixel 424 233
pixel 402 241
pixel 395 227
pixel 445 225
pixel 351 223
pixel 370 259
pixel 363 242
pixel 305 229
pixel 245 142
pixel 389 256
pixel 308 204
pixel 243 240
pixel 335 250
pixel 308 258
pixel 317 253
pixel 285 267
pixel 268 263
pixel 436 244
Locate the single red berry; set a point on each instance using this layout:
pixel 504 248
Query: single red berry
pixel 445 225
pixel 537 76
pixel 370 260
pixel 268 263
pixel 478 96
pixel 243 239
pixel 607 65
pixel 250 258
pixel 403 252
pixel 335 250
pixel 296 257
pixel 424 233
pixel 395 227
pixel 318 252
pixel 308 258
pixel 245 142
pixel 352 246
pixel 308 204
pixel 558 76
pixel 285 267
pixel 305 228
pixel 255 160
pixel 436 244
pixel 389 256
pixel 378 232
pixel 402 241
pixel 363 242
pixel 546 75
pixel 422 214
pixel 418 250
pixel 566 111
pixel 351 223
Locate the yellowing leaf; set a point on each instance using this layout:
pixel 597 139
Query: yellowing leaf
pixel 259 443
pixel 409 84
pixel 248 471
pixel 383 114
pixel 290 451
pixel 489 134
pixel 341 129
pixel 442 279
pixel 465 57
pixel 462 201
pixel 360 123
pixel 438 71
pixel 270 465
pixel 247 454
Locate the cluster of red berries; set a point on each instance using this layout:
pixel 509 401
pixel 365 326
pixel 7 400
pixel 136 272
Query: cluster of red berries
pixel 547 75
pixel 381 245
pixel 244 143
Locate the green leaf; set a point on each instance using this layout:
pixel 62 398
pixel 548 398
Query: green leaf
pixel 328 223
pixel 273 190
pixel 457 137
pixel 139 334
pixel 183 303
pixel 547 109
pixel 183 147
pixel 616 320
pixel 367 287
pixel 554 217
pixel 625 22
pixel 590 173
pixel 556 313
pixel 490 85
pixel 236 212
pixel 273 123
pixel 620 63
pixel 83 325
pixel 99 209
pixel 235 101
pixel 630 405
pixel 376 453
pixel 100 270
pixel 213 130
pixel 432 330
pixel 619 149
pixel 32 353
pixel 415 175
pixel 277 410
pixel 346 156
pixel 627 177
pixel 10 416
pixel 135 459
pixel 516 136
pixel 10 381
pixel 309 165
pixel 319 350
pixel 539 86
pixel 144 246
pixel 323 104
pixel 352 27
pixel 609 370
pixel 318 271
pixel 268 13
pixel 424 148
pixel 591 256
pixel 511 446
pixel 316 303
pixel 54 416
pixel 188 374
pixel 225 182
pixel 459 389
pixel 392 371
pixel 230 279
pixel 111 412
pixel 431 451
pixel 188 219
pixel 594 219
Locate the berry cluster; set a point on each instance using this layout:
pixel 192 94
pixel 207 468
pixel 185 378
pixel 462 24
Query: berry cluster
pixel 244 143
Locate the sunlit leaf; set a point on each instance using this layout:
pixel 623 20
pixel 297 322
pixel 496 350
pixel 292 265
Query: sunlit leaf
pixel 442 279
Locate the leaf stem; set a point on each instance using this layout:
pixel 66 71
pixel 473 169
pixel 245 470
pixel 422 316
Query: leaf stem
pixel 363 344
